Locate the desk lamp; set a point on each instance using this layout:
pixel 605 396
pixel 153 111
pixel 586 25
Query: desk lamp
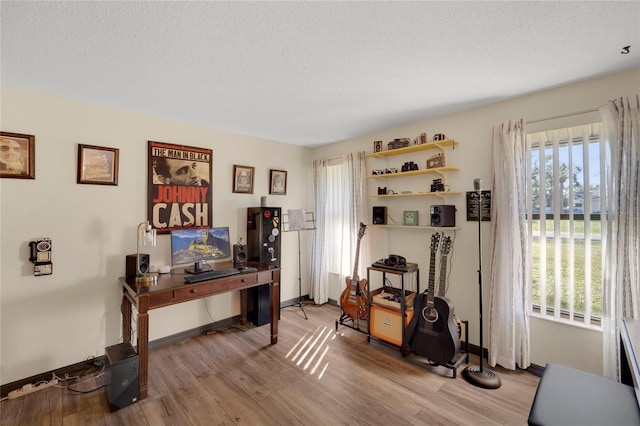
pixel 147 235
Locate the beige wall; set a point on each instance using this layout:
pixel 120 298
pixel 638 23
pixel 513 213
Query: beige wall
pixel 550 341
pixel 51 321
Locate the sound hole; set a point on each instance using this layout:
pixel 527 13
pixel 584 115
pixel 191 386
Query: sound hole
pixel 429 314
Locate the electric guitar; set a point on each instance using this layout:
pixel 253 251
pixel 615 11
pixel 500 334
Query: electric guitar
pixel 432 329
pixel 442 282
pixel 354 298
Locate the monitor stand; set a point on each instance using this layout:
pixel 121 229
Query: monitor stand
pixel 198 268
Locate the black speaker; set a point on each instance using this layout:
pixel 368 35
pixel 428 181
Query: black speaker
pixel 379 215
pixel 121 375
pixel 131 264
pixel 443 215
pixel 259 305
pixel 239 254
pixel 263 235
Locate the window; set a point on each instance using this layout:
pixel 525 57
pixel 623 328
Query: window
pixel 337 217
pixel 566 182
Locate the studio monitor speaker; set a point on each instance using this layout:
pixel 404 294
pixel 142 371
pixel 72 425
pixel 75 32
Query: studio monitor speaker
pixel 239 254
pixel 121 375
pixel 443 215
pixel 379 215
pixel 131 264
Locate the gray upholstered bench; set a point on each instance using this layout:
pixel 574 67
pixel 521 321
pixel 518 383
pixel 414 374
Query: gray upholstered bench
pixel 566 396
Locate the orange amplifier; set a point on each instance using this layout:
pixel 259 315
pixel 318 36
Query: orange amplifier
pixel 385 324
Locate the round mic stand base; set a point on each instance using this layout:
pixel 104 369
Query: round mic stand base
pixel 481 377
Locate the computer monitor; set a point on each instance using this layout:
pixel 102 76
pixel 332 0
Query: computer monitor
pixel 199 245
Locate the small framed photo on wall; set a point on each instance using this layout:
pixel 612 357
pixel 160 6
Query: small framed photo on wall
pixel 278 182
pixel 243 179
pixel 97 165
pixel 17 156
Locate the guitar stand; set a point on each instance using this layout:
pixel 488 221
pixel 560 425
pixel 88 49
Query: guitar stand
pixel 459 358
pixel 355 324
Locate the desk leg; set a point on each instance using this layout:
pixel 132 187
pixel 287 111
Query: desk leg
pixel 244 294
pixel 126 318
pixel 143 345
pixel 275 305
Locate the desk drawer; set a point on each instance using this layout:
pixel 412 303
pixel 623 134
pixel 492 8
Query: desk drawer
pixel 221 285
pixel 160 299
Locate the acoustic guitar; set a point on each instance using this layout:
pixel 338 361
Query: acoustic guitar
pixel 432 330
pixel 442 282
pixel 354 298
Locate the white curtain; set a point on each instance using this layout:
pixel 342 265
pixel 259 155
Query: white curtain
pixel 621 280
pixel 319 279
pixel 510 265
pixel 339 203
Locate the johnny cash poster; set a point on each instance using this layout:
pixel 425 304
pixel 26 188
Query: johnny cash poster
pixel 179 187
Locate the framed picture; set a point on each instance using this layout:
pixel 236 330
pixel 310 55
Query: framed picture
pixel 179 185
pixel 97 165
pixel 17 156
pixel 278 182
pixel 243 179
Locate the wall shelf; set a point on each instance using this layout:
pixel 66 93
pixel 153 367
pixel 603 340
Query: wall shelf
pixel 419 194
pixel 440 170
pixel 426 227
pixel 413 148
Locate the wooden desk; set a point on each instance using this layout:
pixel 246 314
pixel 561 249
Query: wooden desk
pixel 172 289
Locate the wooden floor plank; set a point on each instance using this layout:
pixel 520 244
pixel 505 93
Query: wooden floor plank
pixel 315 375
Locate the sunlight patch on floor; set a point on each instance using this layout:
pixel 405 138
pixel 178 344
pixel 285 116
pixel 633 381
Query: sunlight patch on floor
pixel 310 350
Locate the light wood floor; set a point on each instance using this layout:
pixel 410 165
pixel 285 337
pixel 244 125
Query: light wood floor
pixel 313 376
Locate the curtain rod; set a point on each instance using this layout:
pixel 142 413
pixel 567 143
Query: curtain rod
pixel 569 114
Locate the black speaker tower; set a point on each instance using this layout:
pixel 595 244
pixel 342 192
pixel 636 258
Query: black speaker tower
pixel 263 235
pixel 264 225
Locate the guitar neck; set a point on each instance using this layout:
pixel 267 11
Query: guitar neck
pixel 443 276
pixel 432 277
pixel 354 274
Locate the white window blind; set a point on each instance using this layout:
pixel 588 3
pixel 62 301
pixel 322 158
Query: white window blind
pixel 566 180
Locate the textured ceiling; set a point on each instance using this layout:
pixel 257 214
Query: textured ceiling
pixel 310 73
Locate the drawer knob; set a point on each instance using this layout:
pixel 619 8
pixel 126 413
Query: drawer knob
pixel 244 280
pixel 193 290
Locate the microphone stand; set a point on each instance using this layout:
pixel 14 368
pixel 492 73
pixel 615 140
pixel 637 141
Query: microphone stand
pixel 477 375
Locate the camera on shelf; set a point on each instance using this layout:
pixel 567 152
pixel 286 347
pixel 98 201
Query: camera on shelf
pixel 437 186
pixel 408 166
pixel 377 172
pixel 391 170
pixel 382 190
pixel 435 161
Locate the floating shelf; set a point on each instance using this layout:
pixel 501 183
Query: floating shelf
pixel 440 170
pixel 418 194
pixel 430 228
pixel 413 148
